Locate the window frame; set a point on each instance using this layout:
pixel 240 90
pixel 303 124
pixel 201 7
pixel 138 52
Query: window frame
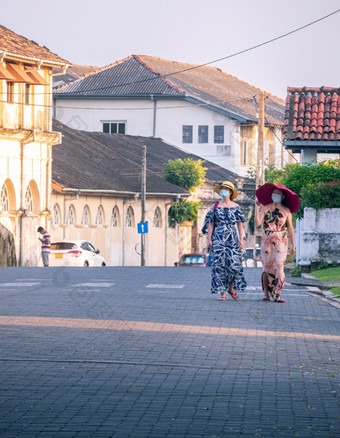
pixel 188 134
pixel 216 135
pixel 111 123
pixel 202 133
pixel 10 92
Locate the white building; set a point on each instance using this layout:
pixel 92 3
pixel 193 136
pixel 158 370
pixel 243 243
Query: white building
pixel 200 109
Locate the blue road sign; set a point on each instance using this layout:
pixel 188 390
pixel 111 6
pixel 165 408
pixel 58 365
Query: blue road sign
pixel 142 227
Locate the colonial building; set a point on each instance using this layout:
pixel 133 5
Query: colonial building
pixel 201 109
pixel 97 196
pixel 26 140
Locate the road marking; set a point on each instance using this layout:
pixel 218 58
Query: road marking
pixel 93 284
pixel 18 284
pixel 165 286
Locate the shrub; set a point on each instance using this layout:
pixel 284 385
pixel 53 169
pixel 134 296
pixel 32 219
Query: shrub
pixel 321 195
pixel 186 173
pixel 183 211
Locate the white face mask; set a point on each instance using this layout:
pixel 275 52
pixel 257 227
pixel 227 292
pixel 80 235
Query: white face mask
pixel 276 198
pixel 224 193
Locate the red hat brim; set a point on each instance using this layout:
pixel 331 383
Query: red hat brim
pixel 264 195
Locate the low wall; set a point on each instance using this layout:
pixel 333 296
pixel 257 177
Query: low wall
pixel 318 235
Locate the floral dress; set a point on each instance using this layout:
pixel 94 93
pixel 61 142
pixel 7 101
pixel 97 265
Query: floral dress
pixel 226 256
pixel 274 244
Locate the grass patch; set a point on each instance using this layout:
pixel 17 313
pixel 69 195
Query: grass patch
pixel 336 291
pixel 329 274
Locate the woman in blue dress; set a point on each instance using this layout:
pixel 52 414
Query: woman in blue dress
pixel 224 223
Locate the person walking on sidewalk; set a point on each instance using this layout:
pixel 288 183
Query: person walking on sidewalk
pixel 226 246
pixel 45 245
pixel 276 219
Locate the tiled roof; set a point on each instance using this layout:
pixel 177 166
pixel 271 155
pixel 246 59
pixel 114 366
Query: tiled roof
pixel 312 114
pixel 146 75
pixel 15 44
pixel 73 72
pixel 98 161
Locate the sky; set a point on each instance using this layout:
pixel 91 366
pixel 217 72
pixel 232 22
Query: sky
pixel 101 32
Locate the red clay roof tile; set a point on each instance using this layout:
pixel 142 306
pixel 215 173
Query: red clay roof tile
pixel 312 114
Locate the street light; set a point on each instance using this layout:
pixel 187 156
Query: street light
pixel 239 183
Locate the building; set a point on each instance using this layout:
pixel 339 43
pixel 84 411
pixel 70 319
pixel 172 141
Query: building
pixel 97 196
pixel 312 122
pixel 26 140
pixel 200 109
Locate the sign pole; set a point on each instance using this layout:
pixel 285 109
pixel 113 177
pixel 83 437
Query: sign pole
pixel 143 195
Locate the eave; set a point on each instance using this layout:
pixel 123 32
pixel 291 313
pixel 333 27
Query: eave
pixel 322 147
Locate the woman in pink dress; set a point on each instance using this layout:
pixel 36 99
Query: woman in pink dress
pixel 276 219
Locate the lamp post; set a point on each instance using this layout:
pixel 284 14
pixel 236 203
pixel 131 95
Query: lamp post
pixel 239 183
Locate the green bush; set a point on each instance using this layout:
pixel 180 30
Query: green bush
pixel 186 173
pixel 321 195
pixel 183 211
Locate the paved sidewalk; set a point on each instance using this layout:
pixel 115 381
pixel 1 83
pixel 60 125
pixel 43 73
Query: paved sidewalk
pixel 149 352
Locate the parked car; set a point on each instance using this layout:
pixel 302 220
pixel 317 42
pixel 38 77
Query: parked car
pixel 201 260
pixel 75 253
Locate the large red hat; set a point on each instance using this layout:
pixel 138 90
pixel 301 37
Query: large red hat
pixel 264 195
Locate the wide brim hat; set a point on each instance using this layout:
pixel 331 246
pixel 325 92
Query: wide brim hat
pixel 227 185
pixel 264 195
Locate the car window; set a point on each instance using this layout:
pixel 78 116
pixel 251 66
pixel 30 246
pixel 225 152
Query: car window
pixel 192 260
pixel 91 248
pixel 60 246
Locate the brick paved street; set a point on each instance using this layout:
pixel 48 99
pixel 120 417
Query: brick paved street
pixel 149 352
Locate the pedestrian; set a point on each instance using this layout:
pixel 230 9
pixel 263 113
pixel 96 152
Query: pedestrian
pixel 226 246
pixel 45 245
pixel 276 219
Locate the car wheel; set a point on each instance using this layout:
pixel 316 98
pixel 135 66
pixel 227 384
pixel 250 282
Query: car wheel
pixel 103 264
pixel 86 264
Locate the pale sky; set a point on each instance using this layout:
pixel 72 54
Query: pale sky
pixel 99 32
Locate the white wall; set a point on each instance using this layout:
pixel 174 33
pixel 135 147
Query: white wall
pixel 170 117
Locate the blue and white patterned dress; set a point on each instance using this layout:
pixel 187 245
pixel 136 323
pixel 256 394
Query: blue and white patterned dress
pixel 226 257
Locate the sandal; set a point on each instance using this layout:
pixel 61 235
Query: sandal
pixel 234 295
pixel 266 299
pixel 280 300
pixel 222 298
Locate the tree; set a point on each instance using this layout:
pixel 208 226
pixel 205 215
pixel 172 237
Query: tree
pixel 186 173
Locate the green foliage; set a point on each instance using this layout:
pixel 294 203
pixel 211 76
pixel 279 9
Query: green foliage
pixel 296 271
pixel 183 211
pixel 321 195
pixel 323 265
pixel 186 173
pixel 273 175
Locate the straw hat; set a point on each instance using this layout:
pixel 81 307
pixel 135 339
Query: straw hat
pixel 264 195
pixel 227 185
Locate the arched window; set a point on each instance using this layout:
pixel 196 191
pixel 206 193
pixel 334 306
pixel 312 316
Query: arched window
pixel 157 218
pixel 129 218
pixel 29 199
pixel 4 200
pixel 114 222
pixel 70 218
pixel 100 216
pixel 85 219
pixel 56 215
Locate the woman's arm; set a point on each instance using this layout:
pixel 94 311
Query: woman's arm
pixel 210 231
pixel 290 230
pixel 240 232
pixel 259 214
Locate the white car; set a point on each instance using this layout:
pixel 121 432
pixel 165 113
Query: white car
pixel 75 253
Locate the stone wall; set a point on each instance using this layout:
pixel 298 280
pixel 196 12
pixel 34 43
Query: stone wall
pixel 7 247
pixel 318 235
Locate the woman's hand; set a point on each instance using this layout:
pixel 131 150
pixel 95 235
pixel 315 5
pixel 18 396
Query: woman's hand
pixel 292 250
pixel 241 244
pixel 210 243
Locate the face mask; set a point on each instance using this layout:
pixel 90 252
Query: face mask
pixel 224 193
pixel 276 198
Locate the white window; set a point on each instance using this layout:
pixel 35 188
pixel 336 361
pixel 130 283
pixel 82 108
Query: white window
pixel 187 134
pixel 56 215
pixel 157 218
pixel 29 199
pixel 129 218
pixel 85 219
pixel 118 127
pixel 219 134
pixel 100 216
pixel 4 201
pixel 70 216
pixel 203 134
pixel 114 217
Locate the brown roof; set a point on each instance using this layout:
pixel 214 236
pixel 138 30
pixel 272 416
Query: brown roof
pixel 312 114
pixel 17 45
